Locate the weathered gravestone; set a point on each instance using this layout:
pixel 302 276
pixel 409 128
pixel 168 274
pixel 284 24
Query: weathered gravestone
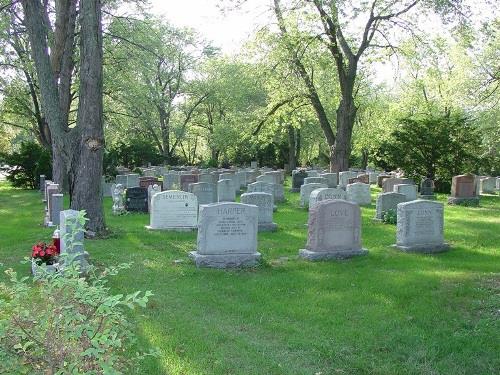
pixel 312 173
pixel 315 180
pixel 372 178
pixel 174 210
pixel 105 187
pixel 136 199
pixel 427 189
pixel 226 191
pixel 386 202
pixel 498 185
pixel 334 231
pixel 408 190
pixel 266 178
pixel 359 193
pixel 263 187
pixel 305 192
pixel 204 191
pixel 171 181
pixel 51 189
pixel 381 178
pixel 152 190
pixel 186 179
pixel 388 183
pixel 463 190
pixel 72 235
pixel 42 183
pixel 344 178
pixel 227 236
pixel 265 202
pixel 323 194
pixel 488 185
pixel 132 180
pixel 209 178
pixel 298 177
pixel 331 178
pixel 233 178
pixel 420 227
pixel 364 178
pixel 56 206
pixel 118 195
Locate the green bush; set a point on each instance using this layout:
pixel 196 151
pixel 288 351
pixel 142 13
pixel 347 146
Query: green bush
pixel 134 153
pixel 390 217
pixel 62 323
pixel 25 166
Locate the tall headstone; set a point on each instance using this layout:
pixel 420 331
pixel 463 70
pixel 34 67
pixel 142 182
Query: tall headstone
pixel 227 236
pixel 372 177
pixel 323 194
pixel 427 189
pixel 420 227
pixel 359 193
pixel 232 177
pixel 174 210
pixel 265 202
pixel 56 206
pixel 305 192
pixel 72 236
pixel 225 191
pixel 334 231
pixel 298 177
pixel 205 192
pixel 386 202
pixel 408 190
pixel 136 199
pixel 42 183
pixel 463 190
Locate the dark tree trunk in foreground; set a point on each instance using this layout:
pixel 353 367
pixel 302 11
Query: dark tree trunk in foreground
pixel 78 150
pixel 90 145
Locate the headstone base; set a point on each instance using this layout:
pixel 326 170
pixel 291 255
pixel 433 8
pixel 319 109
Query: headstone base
pixel 294 190
pixel 173 229
pixel 474 201
pixel 268 227
pixel 425 249
pixel 428 197
pixel 225 260
pixel 326 255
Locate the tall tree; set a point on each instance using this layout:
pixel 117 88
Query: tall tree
pixel 77 150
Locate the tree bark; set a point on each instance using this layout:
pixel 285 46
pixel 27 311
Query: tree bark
pixel 346 114
pixel 90 145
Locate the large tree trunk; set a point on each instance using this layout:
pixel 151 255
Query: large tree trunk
pixel 293 147
pixel 346 114
pixel 90 145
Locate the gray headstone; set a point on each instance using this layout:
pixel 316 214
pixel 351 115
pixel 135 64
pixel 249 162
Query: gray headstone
pixel 323 194
pixel 408 190
pixel 334 231
pixel 227 236
pixel 72 232
pixel 306 190
pixel 226 191
pixel 386 202
pixel 359 193
pixel 205 192
pixel 174 210
pixel 265 203
pixel 331 178
pixel 420 227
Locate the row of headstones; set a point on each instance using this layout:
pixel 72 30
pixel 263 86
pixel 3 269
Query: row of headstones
pixel 139 198
pixel 53 200
pixel 227 232
pixel 66 220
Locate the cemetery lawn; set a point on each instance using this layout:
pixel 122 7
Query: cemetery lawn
pixel 384 313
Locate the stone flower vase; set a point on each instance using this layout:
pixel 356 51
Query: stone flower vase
pixel 37 269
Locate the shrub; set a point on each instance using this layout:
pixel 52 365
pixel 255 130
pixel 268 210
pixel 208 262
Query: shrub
pixel 61 323
pixel 25 166
pixel 390 217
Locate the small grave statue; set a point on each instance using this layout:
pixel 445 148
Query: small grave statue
pixel 118 199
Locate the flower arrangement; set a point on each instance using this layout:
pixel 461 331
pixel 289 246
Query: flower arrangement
pixel 43 253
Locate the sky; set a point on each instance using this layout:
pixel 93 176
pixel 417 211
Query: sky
pixel 226 31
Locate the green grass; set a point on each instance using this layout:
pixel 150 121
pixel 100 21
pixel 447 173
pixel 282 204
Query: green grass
pixel 385 313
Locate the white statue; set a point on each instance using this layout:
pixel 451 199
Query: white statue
pixel 117 192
